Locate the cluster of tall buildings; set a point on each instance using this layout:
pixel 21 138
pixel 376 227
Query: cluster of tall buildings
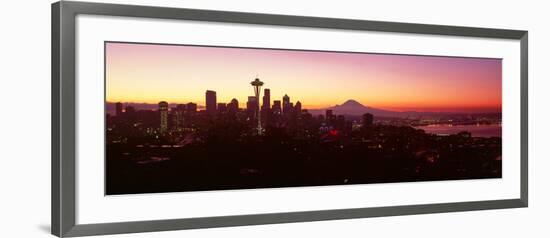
pixel 212 106
pixel 176 117
pixel 268 112
pixel 257 113
pixel 167 117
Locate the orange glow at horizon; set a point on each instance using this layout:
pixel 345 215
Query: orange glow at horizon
pixel 148 73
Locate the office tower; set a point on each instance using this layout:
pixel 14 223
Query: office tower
pixel 191 107
pixel 266 108
pixel 298 108
pixel 257 85
pixel 286 104
pixel 266 102
pixel 210 102
pixel 276 113
pixel 118 108
pixel 233 106
pixel 163 109
pixel 276 107
pixel 178 116
pixel 189 115
pixel 368 119
pixel 181 107
pixel 222 107
pixel 329 115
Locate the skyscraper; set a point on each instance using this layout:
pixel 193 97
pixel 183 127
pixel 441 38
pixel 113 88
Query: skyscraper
pixel 191 107
pixel 368 119
pixel 276 107
pixel 266 108
pixel 222 107
pixel 178 116
pixel 298 108
pixel 210 102
pixel 266 102
pixel 233 106
pixel 163 109
pixel 286 104
pixel 118 108
pixel 189 115
pixel 276 113
pixel 329 115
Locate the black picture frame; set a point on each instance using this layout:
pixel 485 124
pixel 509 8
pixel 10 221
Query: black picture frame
pixel 64 107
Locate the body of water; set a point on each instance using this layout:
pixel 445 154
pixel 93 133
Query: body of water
pixel 475 130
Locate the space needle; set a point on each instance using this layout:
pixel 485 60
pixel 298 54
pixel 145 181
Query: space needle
pixel 257 84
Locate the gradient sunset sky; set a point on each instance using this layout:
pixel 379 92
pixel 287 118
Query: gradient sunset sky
pixel 149 73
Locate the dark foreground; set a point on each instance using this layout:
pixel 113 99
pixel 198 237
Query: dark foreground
pixel 381 154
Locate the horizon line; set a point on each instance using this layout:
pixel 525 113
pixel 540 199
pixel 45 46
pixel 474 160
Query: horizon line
pixel 478 110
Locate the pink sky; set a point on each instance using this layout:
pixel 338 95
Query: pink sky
pixel 179 74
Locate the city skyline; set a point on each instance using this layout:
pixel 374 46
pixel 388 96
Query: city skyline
pixel 176 148
pixel 233 118
pixel 146 73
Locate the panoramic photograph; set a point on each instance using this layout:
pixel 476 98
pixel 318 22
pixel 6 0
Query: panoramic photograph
pixel 182 118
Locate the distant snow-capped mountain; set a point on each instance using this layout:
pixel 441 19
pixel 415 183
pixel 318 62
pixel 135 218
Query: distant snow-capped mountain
pixel 354 108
